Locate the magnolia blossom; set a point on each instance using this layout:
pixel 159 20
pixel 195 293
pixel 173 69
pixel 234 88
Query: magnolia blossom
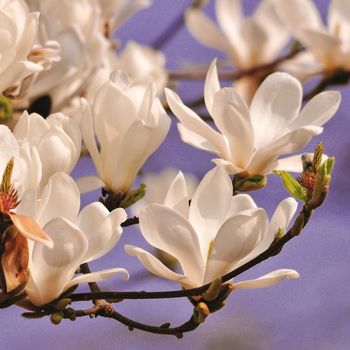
pixel 247 41
pixel 157 186
pixel 130 124
pixel 251 140
pixel 18 32
pixel 328 47
pixel 57 140
pixel 213 235
pixel 77 237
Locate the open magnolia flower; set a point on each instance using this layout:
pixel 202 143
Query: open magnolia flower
pixel 247 41
pixel 130 124
pixel 214 235
pixel 18 32
pixel 252 139
pixel 56 138
pixel 78 238
pixel 328 47
pixel 157 187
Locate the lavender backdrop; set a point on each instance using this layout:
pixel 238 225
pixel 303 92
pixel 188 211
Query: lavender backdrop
pixel 310 313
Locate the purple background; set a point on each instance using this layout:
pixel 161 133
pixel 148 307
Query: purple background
pixel 310 313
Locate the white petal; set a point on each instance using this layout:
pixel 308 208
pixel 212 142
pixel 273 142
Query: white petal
pixel 52 269
pixel 155 266
pixel 241 202
pixel 60 197
pixel 192 121
pixel 89 183
pixel 294 163
pixel 232 117
pixel 176 197
pixel 168 230
pixel 97 277
pixel 268 280
pixel 237 238
pixel 275 105
pixel 205 31
pixel 210 206
pixel 282 216
pixel 318 110
pixel 211 86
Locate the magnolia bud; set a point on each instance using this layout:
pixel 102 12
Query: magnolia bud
pixel 250 183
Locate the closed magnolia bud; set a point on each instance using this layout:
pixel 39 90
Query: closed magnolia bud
pixel 56 318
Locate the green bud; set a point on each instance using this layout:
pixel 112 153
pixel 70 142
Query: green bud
pixel 317 159
pixel 213 291
pixel 6 176
pixel 133 196
pixel 329 165
pixel 56 318
pixel 250 183
pixel 62 304
pixel 6 109
pixel 292 186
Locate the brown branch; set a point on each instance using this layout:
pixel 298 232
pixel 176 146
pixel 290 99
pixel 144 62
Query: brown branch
pixel 235 75
pixel 273 250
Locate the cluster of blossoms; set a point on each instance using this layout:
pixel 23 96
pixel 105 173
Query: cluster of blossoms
pixel 114 105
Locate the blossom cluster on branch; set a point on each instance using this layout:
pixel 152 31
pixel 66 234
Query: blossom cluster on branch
pixel 66 88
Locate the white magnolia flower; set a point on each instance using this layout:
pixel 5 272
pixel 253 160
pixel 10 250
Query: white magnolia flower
pixel 328 47
pixel 144 65
pixel 157 186
pixel 130 124
pixel 250 140
pixel 56 138
pixel 214 235
pixel 247 41
pixel 78 238
pixel 18 32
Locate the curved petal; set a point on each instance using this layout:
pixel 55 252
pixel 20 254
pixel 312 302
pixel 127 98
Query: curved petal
pixel 168 230
pixel 232 117
pixel 237 237
pixel 211 86
pixel 318 110
pixel 176 197
pixel 268 280
pixel 89 183
pixel 210 206
pixel 205 31
pixel 97 277
pixel 275 105
pixel 52 269
pixel 294 163
pixel 241 202
pixel 155 266
pixel 192 121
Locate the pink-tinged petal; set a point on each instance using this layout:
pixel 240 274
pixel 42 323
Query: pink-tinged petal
pixel 192 121
pixel 205 31
pixel 339 21
pixel 228 166
pixel 88 134
pixel 282 216
pixel 97 277
pixel 176 197
pixel 155 266
pixel 265 159
pixel 30 229
pixel 210 206
pixel 60 197
pixel 232 117
pixel 268 280
pixel 101 228
pixel 52 269
pixel 318 110
pixel 89 183
pixel 168 230
pixel 237 238
pixel 211 86
pixel 275 105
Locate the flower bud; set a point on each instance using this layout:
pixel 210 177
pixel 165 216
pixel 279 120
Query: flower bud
pixel 6 110
pixel 56 318
pixel 213 291
pixel 250 183
pixel 201 312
